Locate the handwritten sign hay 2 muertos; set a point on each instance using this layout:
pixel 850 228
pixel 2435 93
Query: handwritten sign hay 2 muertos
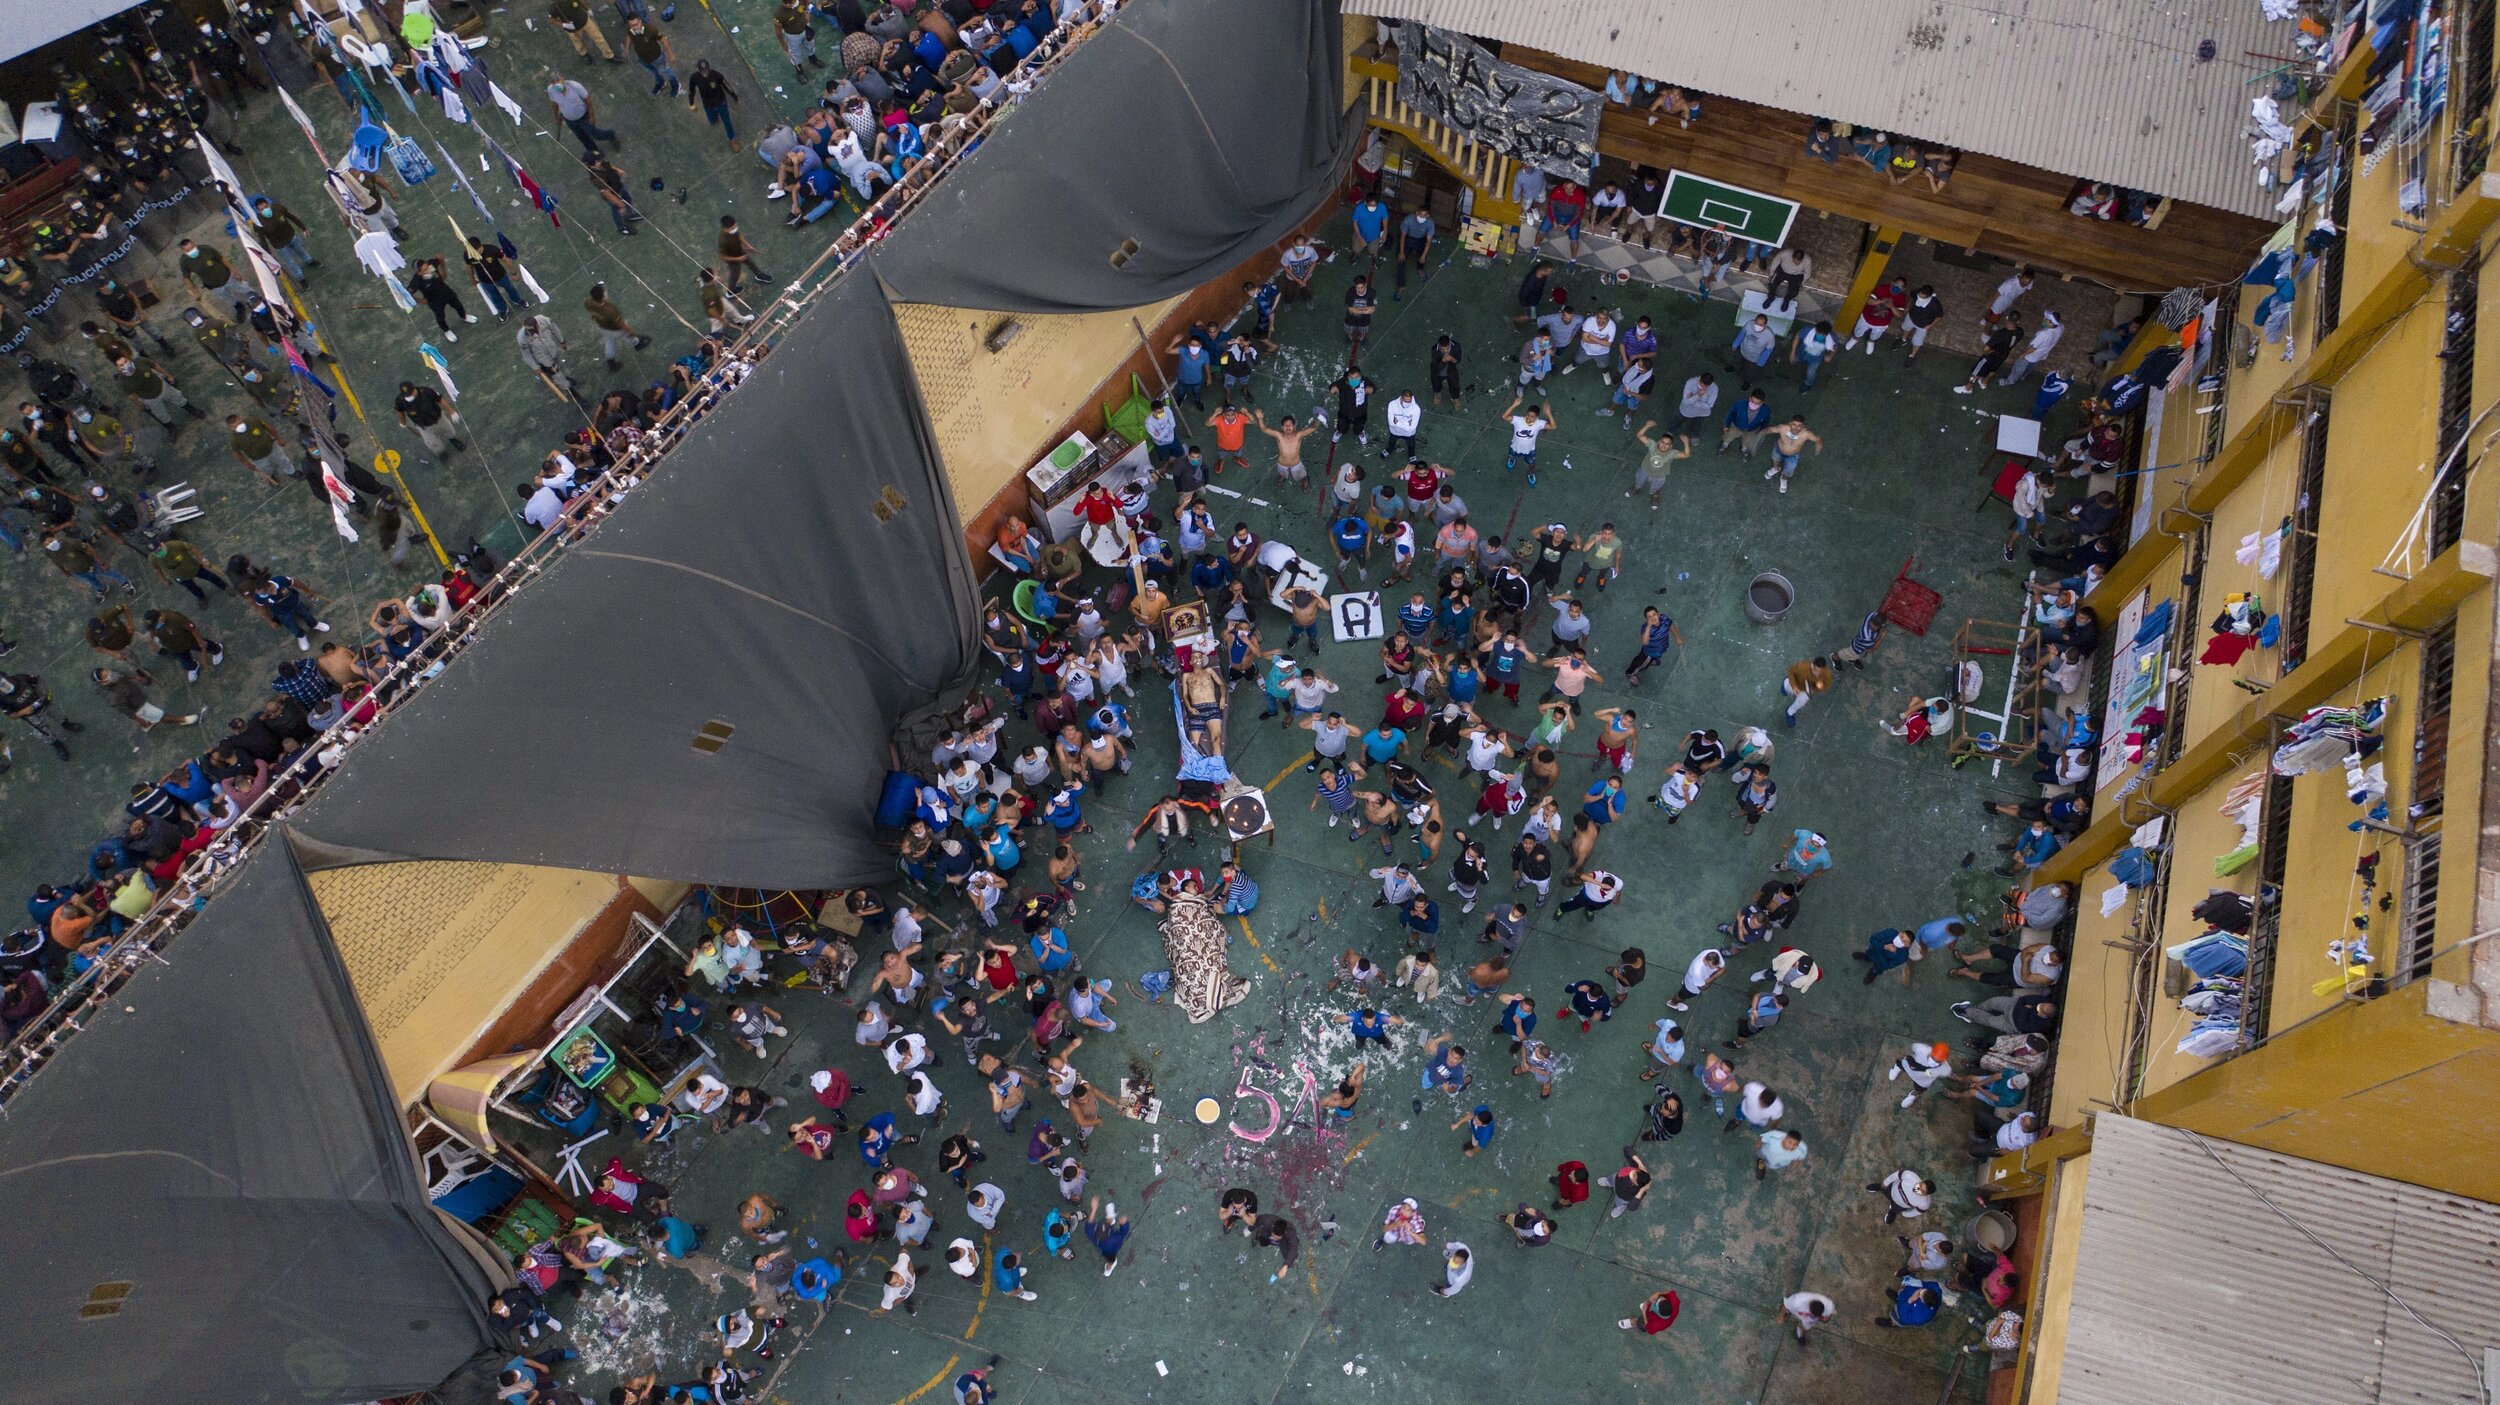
pixel 1531 117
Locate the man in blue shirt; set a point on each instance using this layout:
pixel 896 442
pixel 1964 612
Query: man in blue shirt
pixel 1263 298
pixel 1605 800
pixel 1421 918
pixel 2032 848
pixel 1370 1024
pixel 1914 1304
pixel 1371 223
pixel 1383 743
pixel 1189 377
pixel 1639 342
pixel 1748 419
pixel 282 601
pixel 1416 617
pixel 1504 660
pixel 1658 634
pixel 1353 537
pixel 1414 247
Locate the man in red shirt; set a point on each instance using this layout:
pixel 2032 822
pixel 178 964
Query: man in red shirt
pixel 1423 484
pixel 1564 207
pixel 1883 308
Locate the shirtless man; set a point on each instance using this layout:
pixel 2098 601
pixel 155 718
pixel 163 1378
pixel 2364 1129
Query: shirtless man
pixel 1068 748
pixel 1105 756
pixel 1148 604
pixel 895 973
pixel 1202 696
pixel 1288 449
pixel 1339 1103
pixel 340 666
pixel 1380 812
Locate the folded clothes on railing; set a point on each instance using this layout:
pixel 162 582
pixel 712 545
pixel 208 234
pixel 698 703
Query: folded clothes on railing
pixel 2212 954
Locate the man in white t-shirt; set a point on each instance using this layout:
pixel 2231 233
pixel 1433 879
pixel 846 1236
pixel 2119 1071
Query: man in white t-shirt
pixel 1606 207
pixel 1405 414
pixel 1597 341
pixel 1524 431
pixel 2009 293
pixel 2043 342
pixel 1808 1309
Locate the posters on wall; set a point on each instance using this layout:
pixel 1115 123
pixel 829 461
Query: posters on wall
pixel 1533 118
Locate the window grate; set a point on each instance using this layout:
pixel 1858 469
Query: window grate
pixel 2421 908
pixel 2191 609
pixel 2456 405
pixel 2301 551
pixel 2330 310
pixel 2273 861
pixel 2430 730
pixel 2472 37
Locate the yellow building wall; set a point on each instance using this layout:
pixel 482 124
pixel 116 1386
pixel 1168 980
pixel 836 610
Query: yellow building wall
pixel 2321 892
pixel 2253 387
pixel 662 893
pixel 2374 241
pixel 2381 438
pixel 2092 1043
pixel 2053 1288
pixel 437 951
pixel 2379 1088
pixel 996 413
pixel 2259 505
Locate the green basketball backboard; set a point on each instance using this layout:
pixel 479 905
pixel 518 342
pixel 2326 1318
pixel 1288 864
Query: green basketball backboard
pixel 1748 214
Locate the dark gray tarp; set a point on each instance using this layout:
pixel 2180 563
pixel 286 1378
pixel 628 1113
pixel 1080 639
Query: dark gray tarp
pixel 1204 130
pixel 221 1139
pixel 751 582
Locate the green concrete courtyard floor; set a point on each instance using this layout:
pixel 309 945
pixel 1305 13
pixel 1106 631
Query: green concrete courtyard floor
pixel 1191 1315
pixel 55 810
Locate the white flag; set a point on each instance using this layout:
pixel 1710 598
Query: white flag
pixel 340 496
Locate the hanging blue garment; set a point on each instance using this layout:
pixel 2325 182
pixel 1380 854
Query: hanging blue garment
pixel 2156 624
pixel 2133 867
pixel 414 166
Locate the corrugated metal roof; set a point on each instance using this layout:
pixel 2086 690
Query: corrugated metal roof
pixel 2102 89
pixel 2189 1290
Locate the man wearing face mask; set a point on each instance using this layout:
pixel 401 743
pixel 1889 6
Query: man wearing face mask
pixel 1354 395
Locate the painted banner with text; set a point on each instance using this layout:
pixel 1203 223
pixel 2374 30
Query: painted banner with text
pixel 1534 118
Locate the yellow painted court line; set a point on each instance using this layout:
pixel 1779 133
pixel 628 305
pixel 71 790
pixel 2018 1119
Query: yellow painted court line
pixel 1267 960
pixel 943 1372
pixel 1292 766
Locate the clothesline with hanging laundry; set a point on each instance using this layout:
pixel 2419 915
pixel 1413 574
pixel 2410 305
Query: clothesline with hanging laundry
pixel 2325 736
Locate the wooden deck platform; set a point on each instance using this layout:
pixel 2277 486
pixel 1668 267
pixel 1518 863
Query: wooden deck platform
pixel 1991 205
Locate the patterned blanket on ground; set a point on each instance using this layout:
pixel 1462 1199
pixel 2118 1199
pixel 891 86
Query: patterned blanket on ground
pixel 1193 940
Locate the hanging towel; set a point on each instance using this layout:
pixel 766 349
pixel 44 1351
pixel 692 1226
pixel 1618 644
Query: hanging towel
pixel 409 159
pixel 461 179
pixel 2270 558
pixel 2249 546
pixel 378 252
pixel 504 100
pixel 442 368
pixel 2226 649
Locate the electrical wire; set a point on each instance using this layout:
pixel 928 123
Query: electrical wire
pixel 2473 1362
